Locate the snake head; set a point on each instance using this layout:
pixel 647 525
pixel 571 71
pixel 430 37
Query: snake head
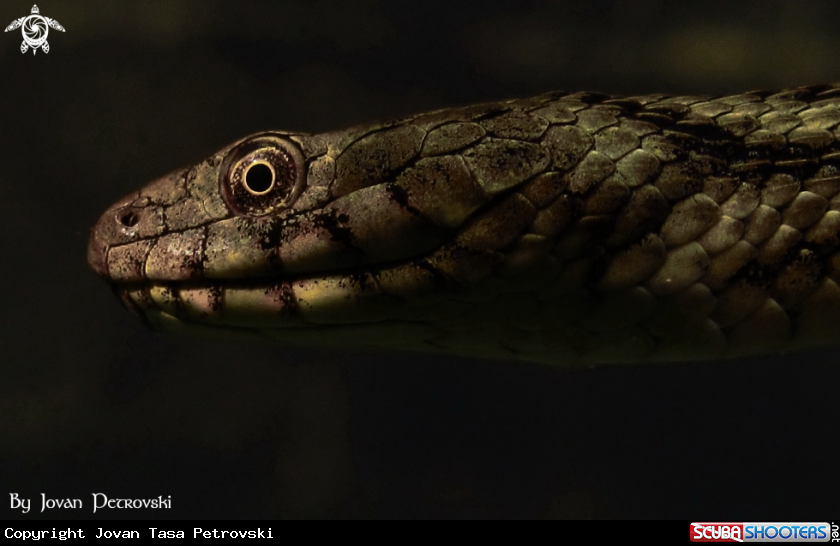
pixel 371 225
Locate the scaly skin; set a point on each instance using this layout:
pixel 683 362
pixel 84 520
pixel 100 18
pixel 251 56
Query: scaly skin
pixel 564 228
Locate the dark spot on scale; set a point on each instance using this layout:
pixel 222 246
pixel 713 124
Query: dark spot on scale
pixel 335 224
pixel 215 292
pixel 170 292
pixel 757 274
pixel 362 280
pixel 763 275
pixel 398 194
pixel 272 234
pixel 283 294
pixel 273 262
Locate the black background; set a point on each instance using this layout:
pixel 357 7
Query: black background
pixel 92 402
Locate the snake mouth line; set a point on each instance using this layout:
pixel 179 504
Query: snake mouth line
pixel 321 313
pixel 275 303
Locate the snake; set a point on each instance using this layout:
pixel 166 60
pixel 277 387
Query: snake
pixel 568 228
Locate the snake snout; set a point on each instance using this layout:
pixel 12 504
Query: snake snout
pixel 124 235
pixel 111 229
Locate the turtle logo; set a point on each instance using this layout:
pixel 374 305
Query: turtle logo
pixel 35 30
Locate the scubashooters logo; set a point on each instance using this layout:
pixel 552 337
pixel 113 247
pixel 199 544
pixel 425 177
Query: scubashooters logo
pixel 762 532
pixel 35 29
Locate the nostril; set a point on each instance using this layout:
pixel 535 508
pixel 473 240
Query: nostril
pixel 128 218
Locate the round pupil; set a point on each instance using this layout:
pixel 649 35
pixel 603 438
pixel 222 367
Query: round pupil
pixel 259 178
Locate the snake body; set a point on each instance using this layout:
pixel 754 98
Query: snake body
pixel 564 228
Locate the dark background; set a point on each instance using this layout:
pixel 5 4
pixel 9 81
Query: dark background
pixel 92 402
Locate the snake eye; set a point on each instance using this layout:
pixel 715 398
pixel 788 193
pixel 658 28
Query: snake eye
pixel 262 175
